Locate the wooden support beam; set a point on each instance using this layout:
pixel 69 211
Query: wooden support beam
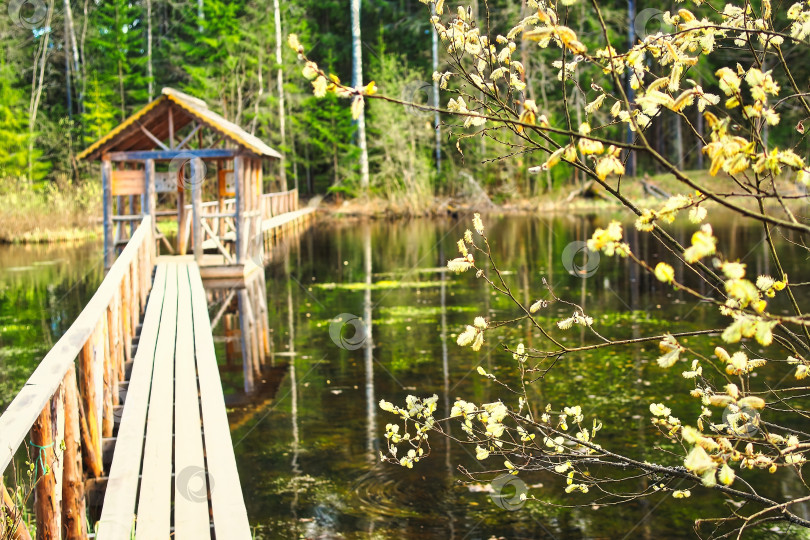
pixel 171 128
pixel 188 137
pixel 168 155
pixel 152 137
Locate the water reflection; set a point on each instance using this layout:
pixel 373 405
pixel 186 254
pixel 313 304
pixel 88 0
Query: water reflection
pixel 307 444
pixel 43 288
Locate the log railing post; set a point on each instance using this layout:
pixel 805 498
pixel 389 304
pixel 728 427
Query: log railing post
pixel 91 437
pixel 78 408
pixel 106 376
pixel 135 301
pixel 46 505
pixel 74 523
pixel 126 317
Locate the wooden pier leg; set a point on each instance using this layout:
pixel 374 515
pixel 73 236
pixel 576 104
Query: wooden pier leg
pixel 247 361
pixel 74 522
pixel 46 505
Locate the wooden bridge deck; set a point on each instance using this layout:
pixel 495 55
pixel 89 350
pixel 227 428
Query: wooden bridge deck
pixel 184 476
pixel 173 471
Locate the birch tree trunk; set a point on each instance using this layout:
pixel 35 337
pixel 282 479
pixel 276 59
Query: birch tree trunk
pixel 436 103
pixel 80 53
pixel 631 40
pixel 259 92
pixel 357 81
pixel 36 88
pixel 280 85
pixel 200 15
pixel 67 48
pixel 149 74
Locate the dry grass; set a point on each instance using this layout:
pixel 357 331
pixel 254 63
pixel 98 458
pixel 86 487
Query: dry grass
pixel 53 212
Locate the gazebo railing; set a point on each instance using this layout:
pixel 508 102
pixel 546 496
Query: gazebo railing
pixel 274 204
pixel 218 220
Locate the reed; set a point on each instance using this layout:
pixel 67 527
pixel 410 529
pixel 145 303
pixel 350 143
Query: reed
pixel 57 211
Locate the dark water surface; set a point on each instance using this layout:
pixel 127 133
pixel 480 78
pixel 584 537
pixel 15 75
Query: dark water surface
pixel 309 457
pixel 43 288
pixel 307 437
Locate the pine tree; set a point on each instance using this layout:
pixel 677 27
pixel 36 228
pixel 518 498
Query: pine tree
pixel 13 126
pixel 325 150
pixel 99 116
pixel 117 52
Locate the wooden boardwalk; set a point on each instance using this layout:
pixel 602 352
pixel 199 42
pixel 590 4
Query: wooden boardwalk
pixel 173 472
pixel 175 401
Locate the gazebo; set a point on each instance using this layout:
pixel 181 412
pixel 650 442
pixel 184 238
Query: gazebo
pixel 155 158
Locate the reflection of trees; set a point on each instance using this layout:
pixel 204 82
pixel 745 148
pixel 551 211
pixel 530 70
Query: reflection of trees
pixel 294 466
pixel 368 349
pixel 446 386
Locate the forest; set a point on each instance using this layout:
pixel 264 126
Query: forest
pixel 72 70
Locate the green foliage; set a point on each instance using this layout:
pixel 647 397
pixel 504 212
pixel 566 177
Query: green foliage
pixel 116 51
pixel 99 116
pixel 401 138
pixel 13 126
pixel 325 149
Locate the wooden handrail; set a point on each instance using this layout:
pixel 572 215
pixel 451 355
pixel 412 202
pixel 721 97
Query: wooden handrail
pixel 82 409
pixel 270 205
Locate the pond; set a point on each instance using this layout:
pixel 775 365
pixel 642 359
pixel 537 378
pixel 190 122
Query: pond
pixel 309 456
pixel 43 288
pixel 361 311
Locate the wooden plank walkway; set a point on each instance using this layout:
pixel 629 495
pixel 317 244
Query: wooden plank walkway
pixel 173 470
pixel 184 474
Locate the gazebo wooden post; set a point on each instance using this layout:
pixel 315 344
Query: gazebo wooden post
pixel 196 207
pixel 181 214
pixel 149 201
pixel 238 181
pixel 221 189
pixel 106 180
